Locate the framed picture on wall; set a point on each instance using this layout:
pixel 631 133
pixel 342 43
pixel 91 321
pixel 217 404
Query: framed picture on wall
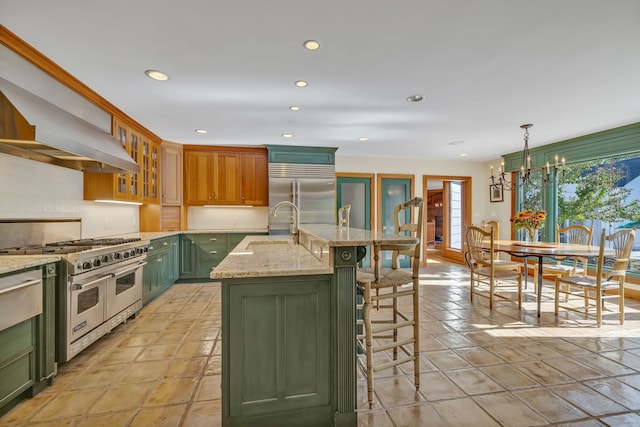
pixel 496 193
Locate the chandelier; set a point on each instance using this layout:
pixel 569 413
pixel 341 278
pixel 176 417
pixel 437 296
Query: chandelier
pixel 544 176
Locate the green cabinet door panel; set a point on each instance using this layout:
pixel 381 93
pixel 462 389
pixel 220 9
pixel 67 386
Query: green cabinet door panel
pixel 160 272
pixel 279 348
pixel 187 256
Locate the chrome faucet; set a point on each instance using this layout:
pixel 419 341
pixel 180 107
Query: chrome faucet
pixel 296 218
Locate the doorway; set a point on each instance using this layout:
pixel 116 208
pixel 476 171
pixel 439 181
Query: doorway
pixel 393 189
pixel 356 190
pixel 448 211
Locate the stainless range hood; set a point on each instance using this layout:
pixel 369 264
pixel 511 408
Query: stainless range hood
pixel 33 128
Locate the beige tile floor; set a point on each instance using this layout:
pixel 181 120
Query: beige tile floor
pixel 479 367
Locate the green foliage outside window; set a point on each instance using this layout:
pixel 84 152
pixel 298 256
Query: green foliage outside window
pixel 598 193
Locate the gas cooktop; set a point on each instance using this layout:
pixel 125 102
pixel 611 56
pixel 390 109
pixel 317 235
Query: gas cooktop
pixel 68 246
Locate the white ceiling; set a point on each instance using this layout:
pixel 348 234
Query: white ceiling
pixel 570 67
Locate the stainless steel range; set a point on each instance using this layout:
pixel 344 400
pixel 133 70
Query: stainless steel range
pixel 103 288
pixel 99 287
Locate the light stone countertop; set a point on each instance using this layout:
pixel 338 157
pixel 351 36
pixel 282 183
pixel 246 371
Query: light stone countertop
pixel 268 256
pixel 11 263
pixel 336 236
pixel 264 256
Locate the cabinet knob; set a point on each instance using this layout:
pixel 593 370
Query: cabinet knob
pixel 213 252
pixel 213 239
pixel 165 243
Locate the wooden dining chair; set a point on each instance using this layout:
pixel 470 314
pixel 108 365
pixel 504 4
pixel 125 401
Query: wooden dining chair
pixel 485 277
pixel 494 228
pixel 390 322
pixel 576 234
pixel 594 290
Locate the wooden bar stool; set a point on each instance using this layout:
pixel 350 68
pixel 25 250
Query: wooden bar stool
pixel 382 289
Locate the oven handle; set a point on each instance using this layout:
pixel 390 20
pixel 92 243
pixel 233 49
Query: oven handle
pixel 80 286
pixel 128 270
pixel 21 285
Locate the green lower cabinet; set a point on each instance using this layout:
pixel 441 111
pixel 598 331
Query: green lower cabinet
pixel 27 349
pixel 201 252
pixel 160 273
pixel 17 362
pixel 210 250
pixel 276 368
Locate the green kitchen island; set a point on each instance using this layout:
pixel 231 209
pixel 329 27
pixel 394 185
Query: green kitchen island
pixel 288 327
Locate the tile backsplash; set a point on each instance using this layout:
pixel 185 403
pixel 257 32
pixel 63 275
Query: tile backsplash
pixel 30 189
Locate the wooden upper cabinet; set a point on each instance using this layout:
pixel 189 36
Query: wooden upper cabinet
pixel 225 176
pixel 171 182
pixel 140 187
pixel 255 181
pixel 198 181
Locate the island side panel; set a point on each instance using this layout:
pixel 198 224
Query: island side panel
pixel 277 357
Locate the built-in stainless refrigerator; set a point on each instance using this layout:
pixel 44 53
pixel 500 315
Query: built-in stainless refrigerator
pixel 310 187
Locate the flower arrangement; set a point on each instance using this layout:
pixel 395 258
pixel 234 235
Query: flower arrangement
pixel 531 221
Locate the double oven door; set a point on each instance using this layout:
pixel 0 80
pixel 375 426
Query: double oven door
pixel 99 295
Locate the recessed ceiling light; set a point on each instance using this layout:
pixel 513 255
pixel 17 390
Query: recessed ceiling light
pixel 363 138
pixel 301 83
pixel 157 75
pixel 294 108
pixel 202 131
pixel 464 154
pixel 287 135
pixel 311 45
pixel 415 98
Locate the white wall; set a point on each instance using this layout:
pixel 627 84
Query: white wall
pixel 30 189
pixel 229 218
pixel 481 208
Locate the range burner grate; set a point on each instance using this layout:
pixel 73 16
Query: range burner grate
pixel 95 242
pixel 43 250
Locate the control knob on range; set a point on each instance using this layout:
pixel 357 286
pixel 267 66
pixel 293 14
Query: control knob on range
pixel 117 255
pixel 125 254
pixel 96 262
pixel 105 258
pixel 86 265
pixel 132 252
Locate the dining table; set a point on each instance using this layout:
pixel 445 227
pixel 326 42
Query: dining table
pixel 542 250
